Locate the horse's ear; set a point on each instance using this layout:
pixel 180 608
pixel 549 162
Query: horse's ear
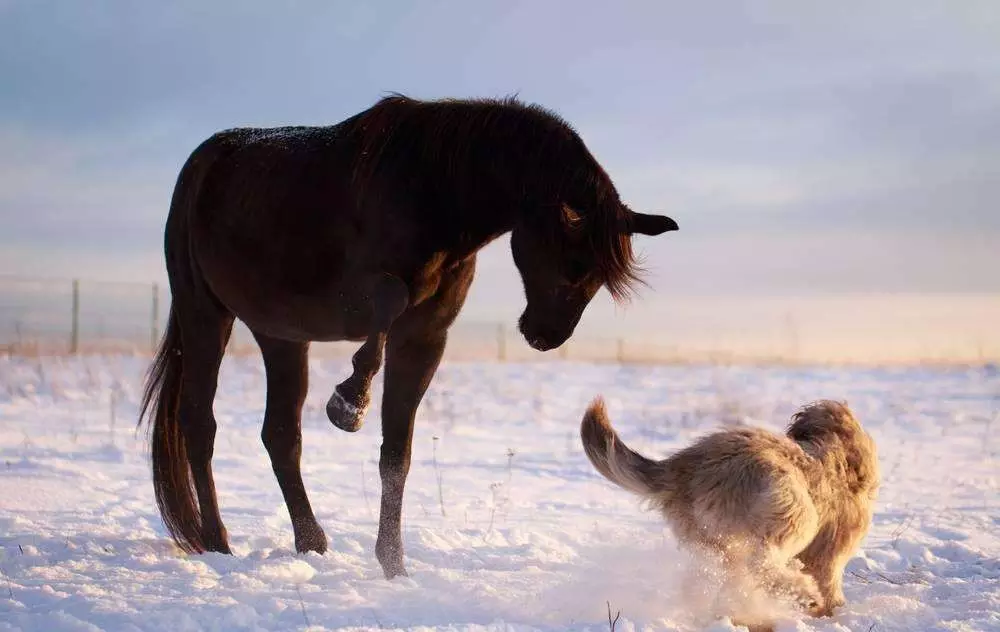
pixel 643 224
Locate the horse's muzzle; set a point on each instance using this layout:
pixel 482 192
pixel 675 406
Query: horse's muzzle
pixel 542 338
pixel 541 344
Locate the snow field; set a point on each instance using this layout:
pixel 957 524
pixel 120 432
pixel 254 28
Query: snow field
pixel 506 525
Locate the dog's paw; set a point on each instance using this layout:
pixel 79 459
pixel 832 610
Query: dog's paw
pixel 808 602
pixel 820 609
pixel 753 626
pixel 825 609
pixel 811 601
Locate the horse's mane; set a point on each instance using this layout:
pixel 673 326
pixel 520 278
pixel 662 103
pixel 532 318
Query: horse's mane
pixel 540 154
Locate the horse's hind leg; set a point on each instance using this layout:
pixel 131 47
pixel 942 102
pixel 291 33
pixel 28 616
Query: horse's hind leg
pixel 205 332
pixel 287 367
pixel 349 402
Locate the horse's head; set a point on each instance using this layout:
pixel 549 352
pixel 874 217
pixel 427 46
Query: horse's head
pixel 564 263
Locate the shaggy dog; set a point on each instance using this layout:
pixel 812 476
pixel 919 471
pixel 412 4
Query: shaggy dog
pixel 788 511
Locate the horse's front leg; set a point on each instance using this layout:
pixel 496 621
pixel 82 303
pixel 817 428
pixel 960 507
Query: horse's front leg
pixel 349 402
pixel 413 352
pixel 410 365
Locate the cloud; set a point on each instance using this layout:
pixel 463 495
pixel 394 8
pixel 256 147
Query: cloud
pixel 773 118
pixel 86 195
pixel 905 153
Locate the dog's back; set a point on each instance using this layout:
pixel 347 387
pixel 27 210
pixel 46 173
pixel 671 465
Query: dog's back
pixel 731 485
pixel 743 486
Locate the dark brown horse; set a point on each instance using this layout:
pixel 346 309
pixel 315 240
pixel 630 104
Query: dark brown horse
pixel 365 230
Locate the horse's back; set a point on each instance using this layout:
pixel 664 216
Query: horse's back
pixel 275 184
pixel 275 227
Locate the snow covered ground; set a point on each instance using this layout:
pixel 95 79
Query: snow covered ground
pixel 506 526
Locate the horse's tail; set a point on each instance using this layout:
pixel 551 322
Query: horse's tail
pixel 173 484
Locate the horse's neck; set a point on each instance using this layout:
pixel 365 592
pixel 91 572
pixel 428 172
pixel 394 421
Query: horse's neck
pixel 484 224
pixel 472 241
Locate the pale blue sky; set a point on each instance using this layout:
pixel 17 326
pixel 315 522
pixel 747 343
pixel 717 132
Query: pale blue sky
pixel 803 147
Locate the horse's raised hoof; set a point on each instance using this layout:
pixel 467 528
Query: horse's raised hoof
pixel 347 413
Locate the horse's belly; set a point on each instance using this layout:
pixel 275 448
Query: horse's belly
pixel 305 293
pixel 323 316
pixel 332 329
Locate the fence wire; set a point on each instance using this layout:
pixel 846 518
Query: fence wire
pixel 68 316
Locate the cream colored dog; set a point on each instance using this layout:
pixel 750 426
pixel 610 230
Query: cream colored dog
pixel 788 511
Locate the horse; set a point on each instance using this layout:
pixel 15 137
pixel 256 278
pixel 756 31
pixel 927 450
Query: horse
pixel 366 230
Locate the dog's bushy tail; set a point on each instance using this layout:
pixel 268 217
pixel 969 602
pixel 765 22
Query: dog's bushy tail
pixel 617 462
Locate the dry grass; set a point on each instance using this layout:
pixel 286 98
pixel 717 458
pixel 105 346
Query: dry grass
pixel 651 355
pixel 612 623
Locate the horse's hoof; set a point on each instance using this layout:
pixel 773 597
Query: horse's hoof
pixel 344 414
pixel 216 541
pixel 390 558
pixel 391 571
pixel 218 547
pixel 310 537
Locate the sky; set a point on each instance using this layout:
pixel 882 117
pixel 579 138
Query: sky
pixel 804 148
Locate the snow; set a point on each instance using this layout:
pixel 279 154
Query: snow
pixel 506 525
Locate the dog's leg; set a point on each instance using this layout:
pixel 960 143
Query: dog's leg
pixel 827 555
pixel 347 406
pixel 789 521
pixel 734 598
pixel 828 571
pixel 780 576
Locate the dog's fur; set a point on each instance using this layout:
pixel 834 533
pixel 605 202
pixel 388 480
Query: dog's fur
pixel 789 511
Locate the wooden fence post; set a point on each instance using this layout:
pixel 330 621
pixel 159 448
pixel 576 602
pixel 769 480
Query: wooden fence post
pixel 501 343
pixel 74 333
